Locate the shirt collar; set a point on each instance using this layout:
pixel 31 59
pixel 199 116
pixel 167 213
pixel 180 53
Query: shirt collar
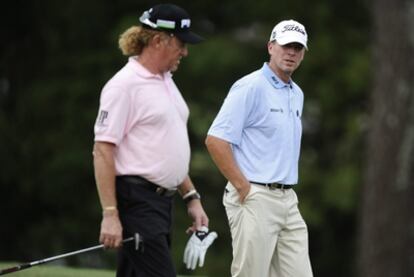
pixel 143 72
pixel 275 81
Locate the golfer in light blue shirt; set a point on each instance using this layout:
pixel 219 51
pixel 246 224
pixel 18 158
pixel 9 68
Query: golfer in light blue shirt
pixel 255 143
pixel 261 119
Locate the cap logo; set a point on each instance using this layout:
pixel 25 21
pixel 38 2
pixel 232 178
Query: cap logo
pixel 167 24
pixel 293 27
pixel 145 19
pixel 185 23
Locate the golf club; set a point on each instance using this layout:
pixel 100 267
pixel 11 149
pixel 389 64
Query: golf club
pixel 135 238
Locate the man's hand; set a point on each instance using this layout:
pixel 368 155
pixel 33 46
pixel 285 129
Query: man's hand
pixel 243 192
pixel 111 230
pixel 196 212
pixel 197 246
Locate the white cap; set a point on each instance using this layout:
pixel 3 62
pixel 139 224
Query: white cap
pixel 289 31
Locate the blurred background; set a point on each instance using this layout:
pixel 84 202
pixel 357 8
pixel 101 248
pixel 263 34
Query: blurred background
pixel 357 164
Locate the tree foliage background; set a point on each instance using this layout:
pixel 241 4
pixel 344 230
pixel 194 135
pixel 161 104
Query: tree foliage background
pixel 55 56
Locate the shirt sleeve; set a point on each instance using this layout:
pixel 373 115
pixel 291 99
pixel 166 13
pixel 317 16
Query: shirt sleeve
pixel 112 117
pixel 233 115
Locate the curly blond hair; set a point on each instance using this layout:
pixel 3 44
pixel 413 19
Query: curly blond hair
pixel 134 39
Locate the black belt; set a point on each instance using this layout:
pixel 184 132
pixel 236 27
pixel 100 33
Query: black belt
pixel 138 180
pixel 273 185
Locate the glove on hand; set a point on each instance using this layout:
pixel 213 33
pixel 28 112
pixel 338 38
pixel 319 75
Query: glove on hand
pixel 197 247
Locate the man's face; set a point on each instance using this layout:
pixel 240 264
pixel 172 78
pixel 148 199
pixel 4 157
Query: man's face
pixel 172 52
pixel 284 59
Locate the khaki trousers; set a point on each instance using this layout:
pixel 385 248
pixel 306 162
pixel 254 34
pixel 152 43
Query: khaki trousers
pixel 269 235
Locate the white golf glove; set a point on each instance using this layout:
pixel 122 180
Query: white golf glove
pixel 197 247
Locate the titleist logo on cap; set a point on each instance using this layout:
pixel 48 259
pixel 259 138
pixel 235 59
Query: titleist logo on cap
pixel 293 27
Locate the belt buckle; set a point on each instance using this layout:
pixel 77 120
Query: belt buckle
pixel 272 186
pixel 160 191
pixel 165 192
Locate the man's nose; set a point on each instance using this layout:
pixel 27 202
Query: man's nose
pixel 184 51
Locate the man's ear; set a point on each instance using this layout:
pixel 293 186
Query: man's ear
pixel 156 41
pixel 270 45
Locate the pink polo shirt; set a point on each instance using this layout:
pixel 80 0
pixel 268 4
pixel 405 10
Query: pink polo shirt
pixel 145 116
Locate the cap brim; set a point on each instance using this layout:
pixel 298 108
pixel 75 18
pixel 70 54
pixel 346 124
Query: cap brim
pixel 189 37
pixel 287 40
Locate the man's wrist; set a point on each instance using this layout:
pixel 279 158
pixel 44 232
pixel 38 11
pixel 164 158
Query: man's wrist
pixel 191 195
pixel 242 186
pixel 109 211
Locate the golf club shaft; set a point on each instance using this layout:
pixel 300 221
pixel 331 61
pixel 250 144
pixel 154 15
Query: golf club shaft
pixel 28 265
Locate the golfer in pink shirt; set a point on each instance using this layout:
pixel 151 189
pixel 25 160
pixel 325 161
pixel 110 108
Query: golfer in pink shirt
pixel 142 150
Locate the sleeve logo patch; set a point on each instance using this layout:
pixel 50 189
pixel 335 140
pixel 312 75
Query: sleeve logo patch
pixel 103 115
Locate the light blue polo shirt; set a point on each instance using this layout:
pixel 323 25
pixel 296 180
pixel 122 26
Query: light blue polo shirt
pixel 261 118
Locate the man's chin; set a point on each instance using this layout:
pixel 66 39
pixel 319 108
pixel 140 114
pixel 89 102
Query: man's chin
pixel 288 71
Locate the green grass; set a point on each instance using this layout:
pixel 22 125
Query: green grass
pixel 58 271
pixel 53 271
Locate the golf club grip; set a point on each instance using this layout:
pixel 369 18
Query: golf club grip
pixel 14 268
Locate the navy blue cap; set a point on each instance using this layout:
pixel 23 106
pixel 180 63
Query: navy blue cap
pixel 172 19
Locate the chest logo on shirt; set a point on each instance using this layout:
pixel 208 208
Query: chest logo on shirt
pixel 103 115
pixel 280 110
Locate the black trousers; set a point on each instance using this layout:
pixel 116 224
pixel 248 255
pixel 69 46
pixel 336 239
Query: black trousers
pixel 149 214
